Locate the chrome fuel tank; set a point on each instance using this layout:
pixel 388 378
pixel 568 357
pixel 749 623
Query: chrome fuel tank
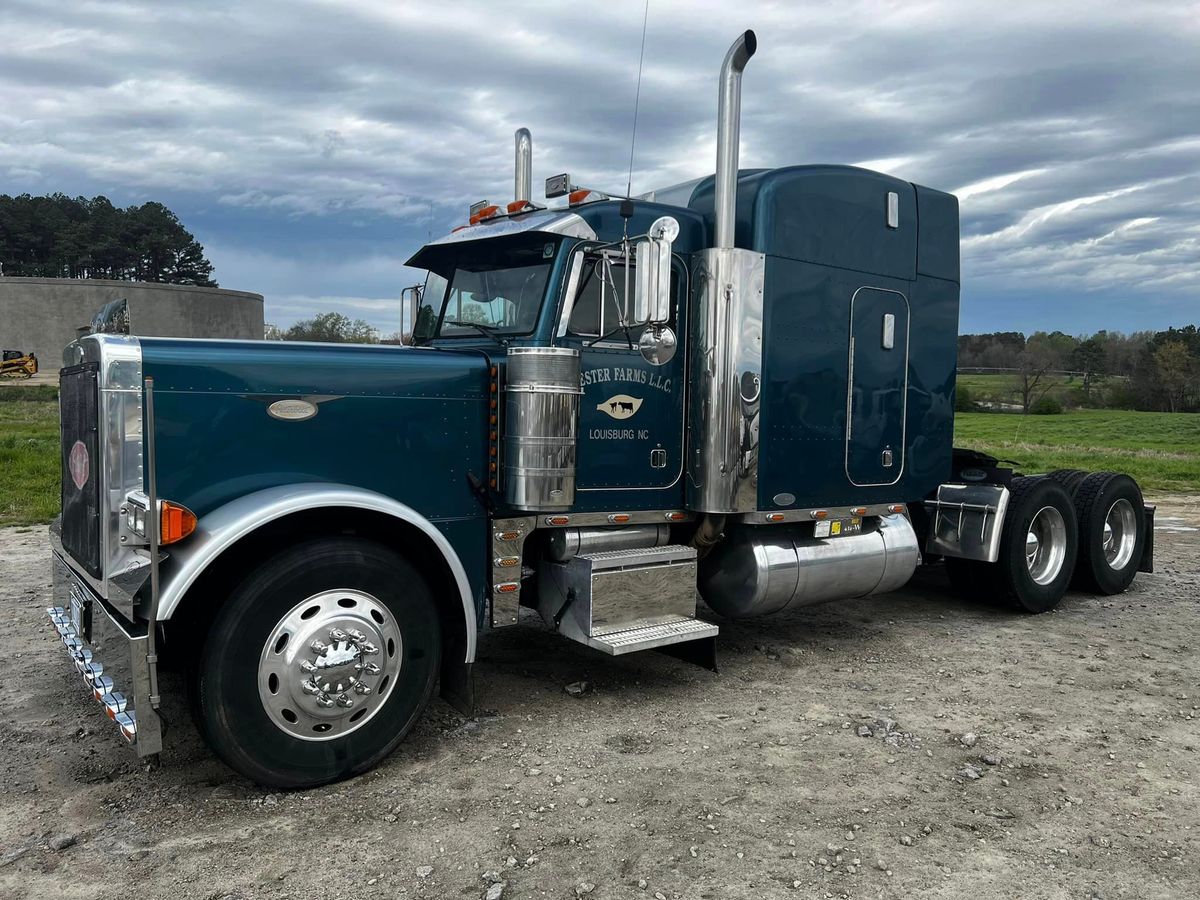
pixel 758 570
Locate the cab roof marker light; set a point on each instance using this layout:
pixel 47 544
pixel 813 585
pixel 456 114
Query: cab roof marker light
pixel 585 195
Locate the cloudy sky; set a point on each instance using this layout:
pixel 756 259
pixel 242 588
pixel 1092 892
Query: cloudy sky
pixel 312 146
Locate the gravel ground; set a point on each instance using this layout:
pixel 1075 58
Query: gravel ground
pixel 910 744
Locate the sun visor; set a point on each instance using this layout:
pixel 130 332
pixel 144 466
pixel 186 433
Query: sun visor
pixel 440 255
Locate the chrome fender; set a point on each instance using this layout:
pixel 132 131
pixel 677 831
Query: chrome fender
pixel 220 529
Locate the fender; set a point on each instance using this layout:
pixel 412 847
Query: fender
pixel 220 529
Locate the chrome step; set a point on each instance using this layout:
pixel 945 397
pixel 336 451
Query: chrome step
pixel 648 637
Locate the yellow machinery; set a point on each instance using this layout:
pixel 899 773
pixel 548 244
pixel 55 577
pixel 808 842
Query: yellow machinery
pixel 18 365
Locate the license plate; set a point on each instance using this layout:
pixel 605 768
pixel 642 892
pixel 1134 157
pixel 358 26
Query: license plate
pixel 838 527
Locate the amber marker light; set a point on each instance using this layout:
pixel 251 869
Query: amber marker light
pixel 176 523
pixel 675 516
pixel 859 511
pixel 619 518
pixel 896 508
pixel 557 520
pixel 820 513
pixel 775 517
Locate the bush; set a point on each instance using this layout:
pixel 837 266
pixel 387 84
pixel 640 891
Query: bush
pixel 1046 406
pixel 962 399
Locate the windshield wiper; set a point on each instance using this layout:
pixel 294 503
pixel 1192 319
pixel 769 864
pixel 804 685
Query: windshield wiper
pixel 486 330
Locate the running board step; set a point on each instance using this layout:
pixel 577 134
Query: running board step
pixel 650 637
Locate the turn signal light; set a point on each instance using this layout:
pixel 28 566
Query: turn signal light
pixel 177 522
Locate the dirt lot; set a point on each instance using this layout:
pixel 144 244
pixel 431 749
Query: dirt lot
pixel 906 745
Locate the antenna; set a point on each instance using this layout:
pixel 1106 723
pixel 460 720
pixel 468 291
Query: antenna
pixel 636 100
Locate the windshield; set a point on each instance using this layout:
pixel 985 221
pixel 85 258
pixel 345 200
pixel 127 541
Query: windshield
pixel 494 290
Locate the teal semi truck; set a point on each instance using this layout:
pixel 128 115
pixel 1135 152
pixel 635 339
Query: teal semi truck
pixel 738 390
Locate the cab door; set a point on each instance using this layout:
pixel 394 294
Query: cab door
pixel 631 417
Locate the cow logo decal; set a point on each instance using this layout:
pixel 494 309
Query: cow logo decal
pixel 620 406
pixel 79 465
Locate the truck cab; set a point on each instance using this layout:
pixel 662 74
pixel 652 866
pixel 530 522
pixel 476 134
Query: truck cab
pixel 737 390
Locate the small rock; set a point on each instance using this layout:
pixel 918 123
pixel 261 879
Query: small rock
pixel 992 759
pixel 532 773
pixel 969 772
pixel 865 731
pixel 970 739
pixel 424 871
pixel 584 887
pixel 492 876
pixel 63 841
pixel 578 688
pixel 905 840
pixel 583 802
pixel 881 865
pixel 495 891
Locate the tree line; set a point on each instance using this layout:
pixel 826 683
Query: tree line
pixel 1146 370
pixel 79 237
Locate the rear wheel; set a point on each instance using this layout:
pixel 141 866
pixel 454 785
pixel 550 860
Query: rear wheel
pixel 1038 545
pixel 1068 478
pixel 1112 532
pixel 319 663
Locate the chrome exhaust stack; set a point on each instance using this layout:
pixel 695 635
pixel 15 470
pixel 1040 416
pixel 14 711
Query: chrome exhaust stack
pixel 729 116
pixel 523 179
pixel 725 345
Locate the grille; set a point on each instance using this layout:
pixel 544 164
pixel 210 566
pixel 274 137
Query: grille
pixel 81 469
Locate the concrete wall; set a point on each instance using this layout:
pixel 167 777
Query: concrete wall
pixel 44 314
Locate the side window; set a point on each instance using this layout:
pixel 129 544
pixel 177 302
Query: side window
pixel 592 318
pixel 601 302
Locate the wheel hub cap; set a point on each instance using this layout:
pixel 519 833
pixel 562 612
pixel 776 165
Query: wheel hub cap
pixel 1120 534
pixel 329 664
pixel 1046 545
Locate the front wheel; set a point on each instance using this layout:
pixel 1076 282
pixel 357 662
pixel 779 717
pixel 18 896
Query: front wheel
pixel 319 664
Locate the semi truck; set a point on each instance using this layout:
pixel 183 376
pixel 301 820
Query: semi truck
pixel 623 420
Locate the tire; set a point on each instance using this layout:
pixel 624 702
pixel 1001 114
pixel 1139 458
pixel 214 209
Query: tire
pixel 1112 532
pixel 1038 507
pixel 289 714
pixel 1068 478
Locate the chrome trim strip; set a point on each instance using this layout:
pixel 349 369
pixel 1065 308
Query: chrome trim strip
pixel 850 390
pixel 225 526
pixel 638 517
pixel 759 517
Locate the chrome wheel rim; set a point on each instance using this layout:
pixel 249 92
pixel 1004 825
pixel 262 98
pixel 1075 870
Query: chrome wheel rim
pixel 329 665
pixel 1120 534
pixel 1045 545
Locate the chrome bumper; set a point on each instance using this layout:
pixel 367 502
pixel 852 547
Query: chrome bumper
pixel 109 654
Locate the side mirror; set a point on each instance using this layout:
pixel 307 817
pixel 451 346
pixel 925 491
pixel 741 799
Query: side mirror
pixel 652 288
pixel 410 302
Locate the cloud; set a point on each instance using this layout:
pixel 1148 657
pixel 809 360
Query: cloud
pixel 312 146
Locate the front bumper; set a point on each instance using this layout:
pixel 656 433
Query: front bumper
pixel 111 655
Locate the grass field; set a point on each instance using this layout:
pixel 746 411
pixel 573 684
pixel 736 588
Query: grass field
pixel 1066 389
pixel 29 459
pixel 1160 450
